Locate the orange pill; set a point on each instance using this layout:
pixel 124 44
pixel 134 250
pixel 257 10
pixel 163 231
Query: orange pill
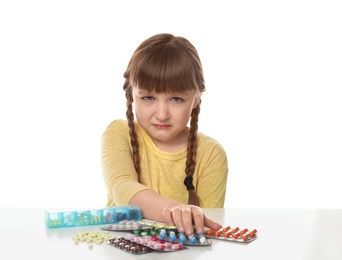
pixel 249 235
pixel 235 230
pixel 253 232
pixel 228 234
pixel 218 233
pixel 211 232
pixel 245 237
pixel 236 235
pixel 244 231
pixel 226 229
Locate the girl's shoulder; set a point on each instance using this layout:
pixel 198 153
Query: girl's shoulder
pixel 117 127
pixel 206 142
pixel 121 127
pixel 120 123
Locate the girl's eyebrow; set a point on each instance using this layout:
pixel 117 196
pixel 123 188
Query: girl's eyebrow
pixel 143 92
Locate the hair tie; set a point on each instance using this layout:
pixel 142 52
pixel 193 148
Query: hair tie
pixel 188 183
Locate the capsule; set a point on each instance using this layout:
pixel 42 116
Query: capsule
pixel 218 233
pixel 249 235
pixel 211 232
pixel 228 234
pixel 253 232
pixel 177 247
pixel 236 235
pixel 226 229
pixel 244 231
pixel 159 246
pixel 235 230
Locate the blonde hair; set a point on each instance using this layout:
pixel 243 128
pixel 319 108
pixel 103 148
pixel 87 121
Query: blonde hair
pixel 165 63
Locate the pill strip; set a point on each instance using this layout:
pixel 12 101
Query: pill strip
pixel 178 237
pixel 233 234
pixel 128 246
pixel 170 233
pixel 126 225
pixel 156 243
pixel 135 244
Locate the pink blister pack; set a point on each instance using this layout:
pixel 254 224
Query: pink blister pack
pixel 136 244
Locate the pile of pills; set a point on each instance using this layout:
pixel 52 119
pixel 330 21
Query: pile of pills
pixel 91 238
pixel 109 217
pixel 136 244
pixel 233 234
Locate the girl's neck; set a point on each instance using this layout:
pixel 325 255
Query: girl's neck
pixel 174 145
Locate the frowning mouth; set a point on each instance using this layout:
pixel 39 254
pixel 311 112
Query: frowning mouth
pixel 161 126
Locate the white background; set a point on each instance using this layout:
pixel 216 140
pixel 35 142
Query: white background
pixel 273 73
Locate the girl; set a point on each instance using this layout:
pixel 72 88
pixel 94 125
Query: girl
pixel 153 159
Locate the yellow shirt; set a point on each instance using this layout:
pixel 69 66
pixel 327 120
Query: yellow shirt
pixel 161 171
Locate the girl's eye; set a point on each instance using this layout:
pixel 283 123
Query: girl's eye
pixel 148 98
pixel 177 99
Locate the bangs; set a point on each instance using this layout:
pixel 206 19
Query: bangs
pixel 165 67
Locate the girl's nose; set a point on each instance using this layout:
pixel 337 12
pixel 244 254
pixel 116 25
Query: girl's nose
pixel 162 112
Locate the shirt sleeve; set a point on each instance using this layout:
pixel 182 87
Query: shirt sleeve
pixel 212 179
pixel 118 169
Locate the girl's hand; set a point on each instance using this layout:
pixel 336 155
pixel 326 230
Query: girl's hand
pixel 185 217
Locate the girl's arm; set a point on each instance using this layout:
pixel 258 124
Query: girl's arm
pixel 156 207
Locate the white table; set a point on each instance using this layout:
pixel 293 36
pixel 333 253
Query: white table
pixel 303 234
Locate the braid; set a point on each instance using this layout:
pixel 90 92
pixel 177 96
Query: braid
pixel 132 133
pixel 191 156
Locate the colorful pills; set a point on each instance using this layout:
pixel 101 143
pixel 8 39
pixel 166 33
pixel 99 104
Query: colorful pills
pixel 178 237
pixel 138 245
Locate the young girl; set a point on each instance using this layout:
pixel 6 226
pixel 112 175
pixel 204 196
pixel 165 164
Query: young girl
pixel 153 159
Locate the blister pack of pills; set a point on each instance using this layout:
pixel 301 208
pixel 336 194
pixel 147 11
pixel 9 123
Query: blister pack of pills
pixel 171 234
pixel 136 244
pixel 129 246
pixel 126 226
pixel 233 234
pixel 178 237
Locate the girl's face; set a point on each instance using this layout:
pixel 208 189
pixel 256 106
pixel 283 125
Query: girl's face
pixel 164 116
